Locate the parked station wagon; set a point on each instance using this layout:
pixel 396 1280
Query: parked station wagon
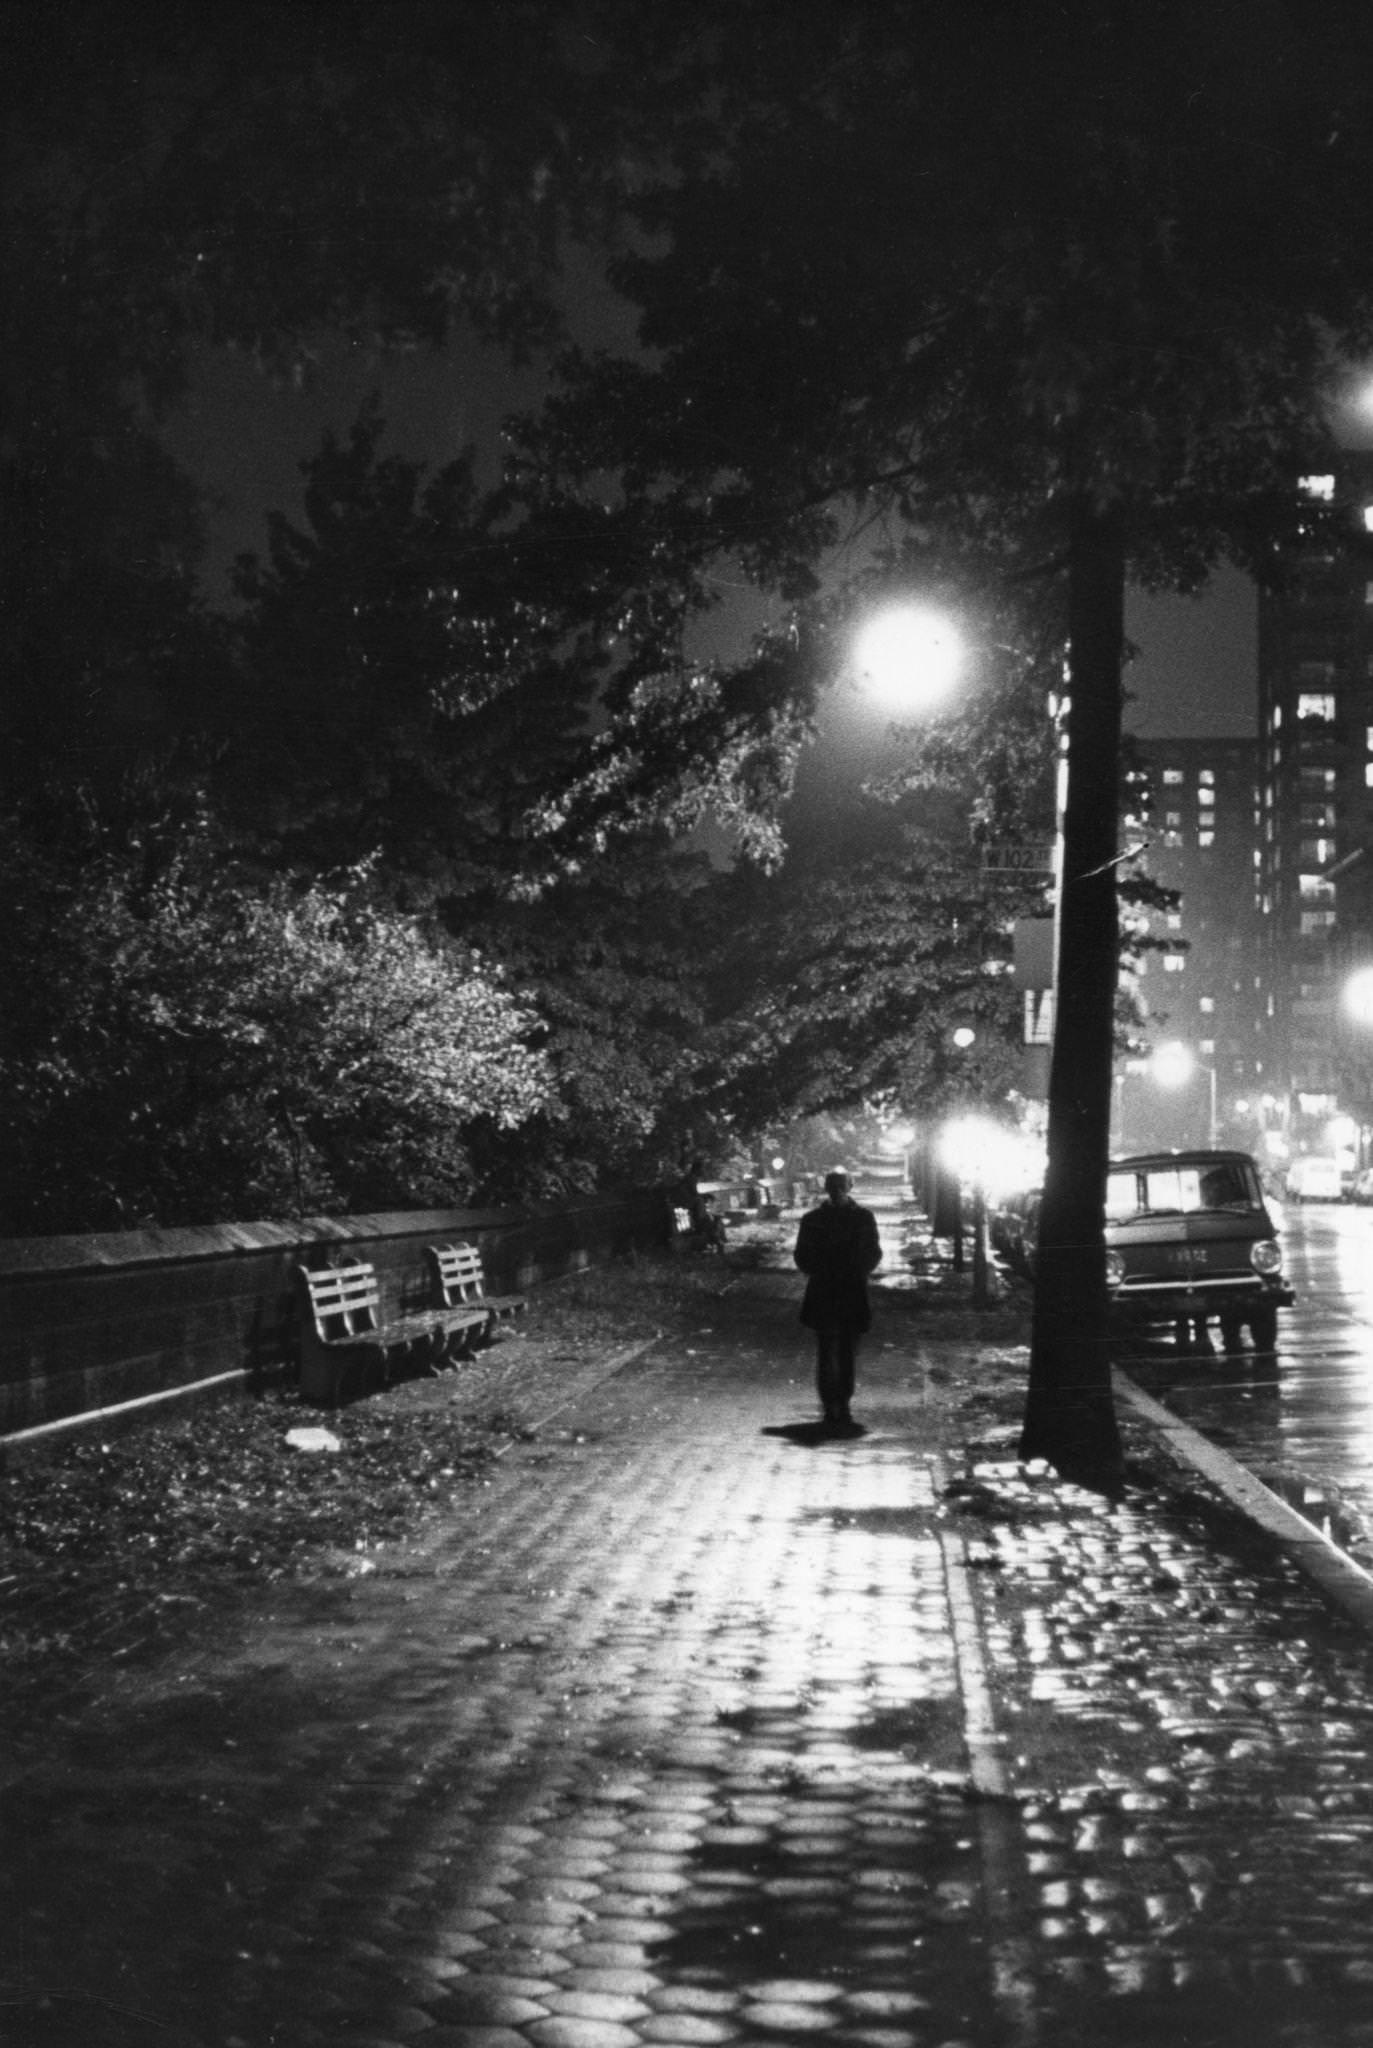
pixel 1189 1237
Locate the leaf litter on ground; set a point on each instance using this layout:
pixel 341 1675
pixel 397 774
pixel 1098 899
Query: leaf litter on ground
pixel 215 1500
pixel 180 1515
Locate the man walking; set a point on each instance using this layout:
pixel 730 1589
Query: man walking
pixel 837 1246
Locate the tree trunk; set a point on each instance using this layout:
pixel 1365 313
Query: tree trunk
pixel 1070 1414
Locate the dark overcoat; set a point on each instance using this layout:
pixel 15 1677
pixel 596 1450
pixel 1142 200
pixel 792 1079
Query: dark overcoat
pixel 837 1246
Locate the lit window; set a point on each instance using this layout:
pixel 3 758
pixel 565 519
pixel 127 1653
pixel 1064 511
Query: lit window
pixel 1172 775
pixel 1322 487
pixel 1206 839
pixel 1206 798
pixel 1173 921
pixel 1207 777
pixel 1314 887
pixel 1313 921
pixel 1368 774
pixel 1206 1005
pixel 1173 963
pixel 1318 704
pixel 1368 518
pixel 1208 1045
pixel 1277 708
pixel 1172 819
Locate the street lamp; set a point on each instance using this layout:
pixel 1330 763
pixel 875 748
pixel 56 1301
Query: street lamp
pixel 1357 1002
pixel 1173 1066
pixel 1358 996
pixel 909 656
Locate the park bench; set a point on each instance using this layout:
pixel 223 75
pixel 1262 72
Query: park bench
pixel 344 1331
pixel 460 1283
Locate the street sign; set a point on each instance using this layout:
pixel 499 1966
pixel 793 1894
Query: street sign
pixel 1018 860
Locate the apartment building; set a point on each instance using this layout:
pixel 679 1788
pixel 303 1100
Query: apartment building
pixel 1192 811
pixel 1315 652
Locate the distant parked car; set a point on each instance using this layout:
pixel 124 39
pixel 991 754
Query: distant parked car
pixel 1011 1229
pixel 1314 1178
pixel 1189 1236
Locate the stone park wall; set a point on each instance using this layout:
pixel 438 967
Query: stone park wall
pixel 90 1325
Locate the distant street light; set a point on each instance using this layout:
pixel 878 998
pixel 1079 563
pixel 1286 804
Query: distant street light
pixel 909 657
pixel 1358 996
pixel 1173 1066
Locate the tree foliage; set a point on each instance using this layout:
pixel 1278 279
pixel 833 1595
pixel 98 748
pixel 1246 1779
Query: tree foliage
pixel 174 182
pixel 195 1042
pixel 422 676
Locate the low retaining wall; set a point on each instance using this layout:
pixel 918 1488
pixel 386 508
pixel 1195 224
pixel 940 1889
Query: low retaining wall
pixel 93 1324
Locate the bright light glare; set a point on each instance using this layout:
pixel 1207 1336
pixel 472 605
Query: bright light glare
pixel 1173 1064
pixel 1358 996
pixel 991 1157
pixel 909 657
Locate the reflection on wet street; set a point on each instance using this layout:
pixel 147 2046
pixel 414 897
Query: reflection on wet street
pixel 1302 1420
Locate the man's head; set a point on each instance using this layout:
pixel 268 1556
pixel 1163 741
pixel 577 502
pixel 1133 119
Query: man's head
pixel 837 1184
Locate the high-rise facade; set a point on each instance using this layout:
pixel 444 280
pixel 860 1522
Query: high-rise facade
pixel 1191 811
pixel 1315 693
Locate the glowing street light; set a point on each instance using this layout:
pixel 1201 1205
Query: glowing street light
pixel 1173 1066
pixel 909 657
pixel 1358 996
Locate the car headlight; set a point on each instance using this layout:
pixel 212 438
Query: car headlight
pixel 1115 1269
pixel 1265 1257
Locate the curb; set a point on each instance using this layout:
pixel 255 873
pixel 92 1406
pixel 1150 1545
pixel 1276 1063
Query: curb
pixel 1344 1583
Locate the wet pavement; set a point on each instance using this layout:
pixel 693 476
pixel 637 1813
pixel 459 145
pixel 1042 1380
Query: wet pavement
pixel 1302 1417
pixel 691 1725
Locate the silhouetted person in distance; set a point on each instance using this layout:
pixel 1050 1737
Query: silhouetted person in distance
pixel 837 1246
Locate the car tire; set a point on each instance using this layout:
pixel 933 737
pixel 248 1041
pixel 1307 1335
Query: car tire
pixel 1231 1332
pixel 1263 1327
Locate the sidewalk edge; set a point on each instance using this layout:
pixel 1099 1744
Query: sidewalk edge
pixel 1345 1583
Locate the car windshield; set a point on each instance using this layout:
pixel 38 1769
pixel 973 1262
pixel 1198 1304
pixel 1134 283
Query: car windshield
pixel 1181 1189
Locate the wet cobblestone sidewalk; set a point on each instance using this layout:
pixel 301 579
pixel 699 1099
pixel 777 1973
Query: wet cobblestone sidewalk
pixel 686 1726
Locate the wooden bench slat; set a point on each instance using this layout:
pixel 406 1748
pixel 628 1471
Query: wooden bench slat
pixel 342 1322
pixel 458 1277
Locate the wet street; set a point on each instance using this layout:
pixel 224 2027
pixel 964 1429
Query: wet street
pixel 1304 1419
